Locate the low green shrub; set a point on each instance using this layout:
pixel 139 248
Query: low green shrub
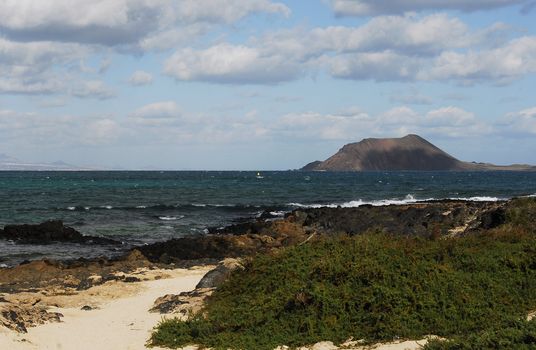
pixel 520 335
pixel 375 287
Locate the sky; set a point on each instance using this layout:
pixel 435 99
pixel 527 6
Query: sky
pixel 262 84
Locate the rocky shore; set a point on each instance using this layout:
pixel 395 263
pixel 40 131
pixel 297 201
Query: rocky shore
pixel 45 278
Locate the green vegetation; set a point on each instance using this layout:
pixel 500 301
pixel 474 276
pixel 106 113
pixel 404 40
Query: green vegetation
pixel 518 335
pixel 475 291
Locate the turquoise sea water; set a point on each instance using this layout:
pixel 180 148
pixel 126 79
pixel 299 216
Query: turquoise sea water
pixel 143 207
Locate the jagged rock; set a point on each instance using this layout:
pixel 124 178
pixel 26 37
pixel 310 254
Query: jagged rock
pixel 131 279
pixel 184 303
pixel 19 318
pixel 420 219
pixel 492 218
pixel 48 232
pixel 167 304
pixel 79 274
pixel 215 277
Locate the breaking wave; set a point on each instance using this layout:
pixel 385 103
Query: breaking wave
pixel 409 199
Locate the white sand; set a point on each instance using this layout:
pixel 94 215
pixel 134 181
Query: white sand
pixel 120 323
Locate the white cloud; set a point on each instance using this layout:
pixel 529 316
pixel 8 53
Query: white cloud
pixel 416 35
pixel 173 37
pixel 411 97
pixel 502 64
pixel 379 66
pixel 387 48
pixel 41 41
pixel 226 63
pixel 158 114
pixel 522 122
pixel 27 130
pixel 118 22
pixel 140 77
pixel 378 7
pixel 398 121
pixel 166 123
pixel 27 67
pixel 411 33
pixel 101 131
pixel 93 89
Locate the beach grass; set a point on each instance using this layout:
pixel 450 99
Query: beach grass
pixel 475 291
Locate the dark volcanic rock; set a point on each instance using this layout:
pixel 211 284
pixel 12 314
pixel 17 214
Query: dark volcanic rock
pixel 232 241
pixel 19 318
pixel 191 248
pixel 168 303
pixel 422 219
pixel 49 231
pixel 183 303
pixel 76 275
pixel 215 277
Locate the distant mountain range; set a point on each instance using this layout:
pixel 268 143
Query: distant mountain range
pixel 410 152
pixel 10 163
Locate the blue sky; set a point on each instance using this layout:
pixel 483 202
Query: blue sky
pixel 261 84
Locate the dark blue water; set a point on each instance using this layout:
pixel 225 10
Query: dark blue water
pixel 142 207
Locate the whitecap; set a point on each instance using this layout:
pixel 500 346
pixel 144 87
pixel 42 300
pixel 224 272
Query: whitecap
pixel 357 203
pixel 409 199
pixel 141 207
pixel 71 208
pixel 106 206
pixel 277 213
pixel 171 218
pixel 477 199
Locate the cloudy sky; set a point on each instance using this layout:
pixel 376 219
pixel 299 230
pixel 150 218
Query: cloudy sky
pixel 262 84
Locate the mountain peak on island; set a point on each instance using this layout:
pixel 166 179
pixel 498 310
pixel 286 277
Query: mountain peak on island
pixel 411 152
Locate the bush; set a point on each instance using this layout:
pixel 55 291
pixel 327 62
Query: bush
pixel 375 287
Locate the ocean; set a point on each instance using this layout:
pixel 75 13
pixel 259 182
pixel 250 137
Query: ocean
pixel 140 207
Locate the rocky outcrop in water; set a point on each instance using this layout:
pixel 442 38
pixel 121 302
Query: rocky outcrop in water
pixel 427 219
pixel 48 232
pixel 421 219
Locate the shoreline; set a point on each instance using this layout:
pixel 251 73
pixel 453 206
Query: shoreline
pixel 119 292
pixel 119 318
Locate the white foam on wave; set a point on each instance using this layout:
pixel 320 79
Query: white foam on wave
pixel 357 203
pixel 171 218
pixel 409 199
pixel 477 199
pixel 277 213
pixel 71 208
pixel 141 206
pixel 106 207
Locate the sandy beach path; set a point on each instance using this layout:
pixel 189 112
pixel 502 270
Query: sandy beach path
pixel 120 322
